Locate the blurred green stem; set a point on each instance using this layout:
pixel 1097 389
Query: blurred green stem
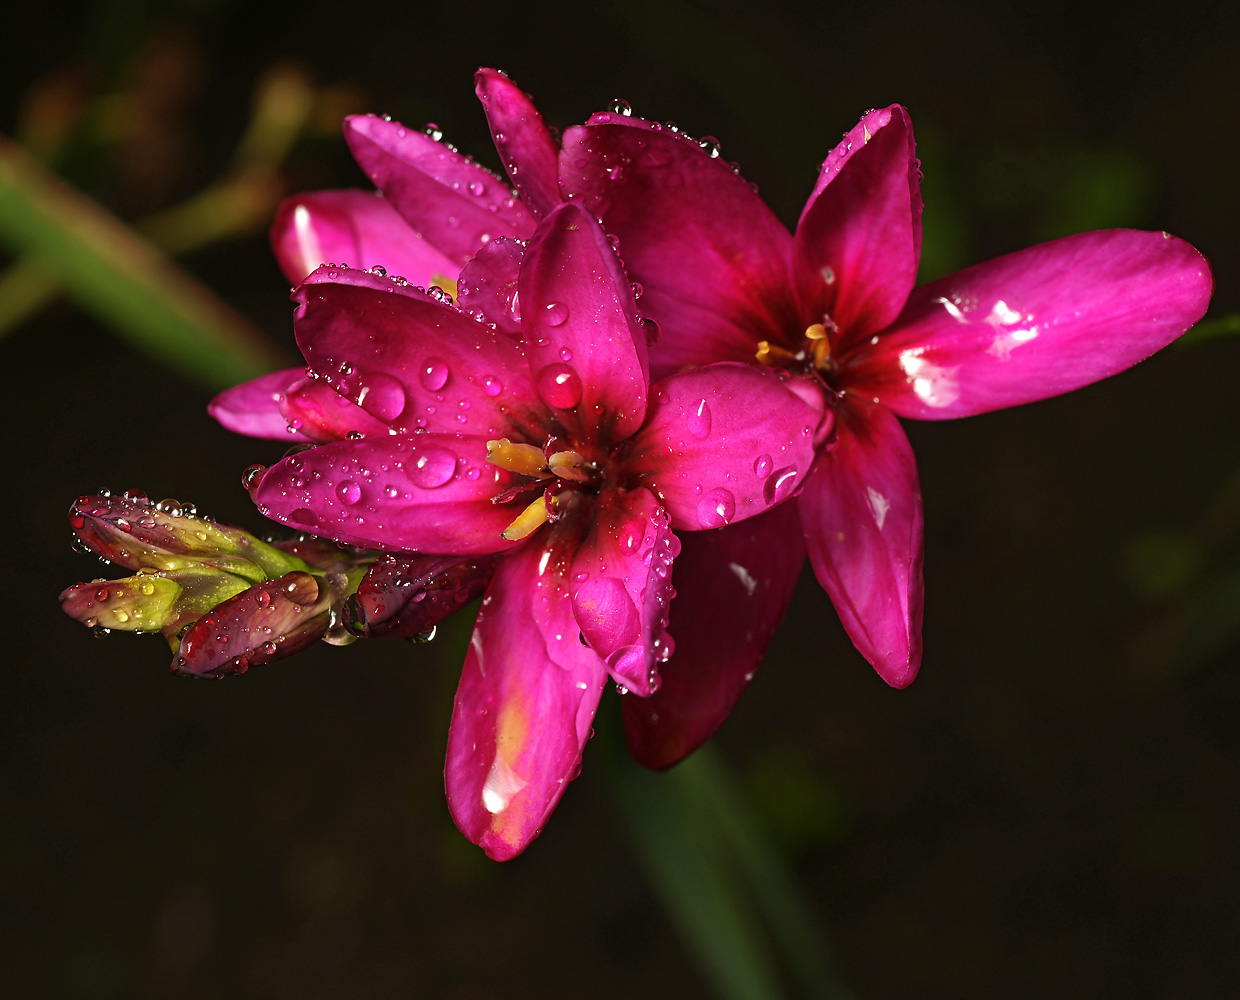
pixel 126 282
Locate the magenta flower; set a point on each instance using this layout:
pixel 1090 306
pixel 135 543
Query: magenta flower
pixel 553 449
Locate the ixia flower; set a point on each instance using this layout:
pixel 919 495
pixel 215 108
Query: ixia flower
pixel 553 449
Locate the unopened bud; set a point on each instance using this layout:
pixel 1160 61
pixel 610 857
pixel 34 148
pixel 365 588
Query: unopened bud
pixel 408 595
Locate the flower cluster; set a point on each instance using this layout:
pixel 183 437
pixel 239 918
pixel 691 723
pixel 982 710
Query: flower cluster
pixel 616 368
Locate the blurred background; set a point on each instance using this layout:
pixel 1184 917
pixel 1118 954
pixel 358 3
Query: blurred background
pixel 1050 810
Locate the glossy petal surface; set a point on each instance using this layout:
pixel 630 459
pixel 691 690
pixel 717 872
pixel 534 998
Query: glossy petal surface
pixel 407 595
pixel 711 257
pixel 412 362
pixel 723 443
pixel 732 589
pixel 858 243
pixel 452 201
pixel 861 513
pixel 425 493
pixel 358 228
pixel 585 346
pixel 1034 324
pixel 319 413
pixel 523 710
pixel 525 144
pixel 253 408
pixel 621 584
pixel 487 287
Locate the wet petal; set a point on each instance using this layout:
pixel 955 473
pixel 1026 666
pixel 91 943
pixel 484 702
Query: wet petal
pixel 723 443
pixel 358 228
pixel 711 257
pixel 456 204
pixel 861 514
pixel 487 287
pixel 585 346
pixel 1034 324
pixel 621 584
pixel 426 493
pixel 858 242
pixel 523 710
pixel 319 413
pixel 252 408
pixel 407 595
pixel 732 589
pixel 525 144
pixel 269 621
pixel 411 361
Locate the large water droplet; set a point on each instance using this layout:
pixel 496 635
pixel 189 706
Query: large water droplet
pixel 432 466
pixel 349 491
pixel 716 508
pixel 621 107
pixel 434 374
pixel 763 466
pixel 559 385
pixel 492 386
pixel 556 314
pixel 699 419
pixel 780 485
pixel 383 396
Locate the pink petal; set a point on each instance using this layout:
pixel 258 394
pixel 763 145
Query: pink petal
pixel 456 204
pixel 732 589
pixel 858 242
pixel 523 710
pixel 319 413
pixel 487 287
pixel 525 144
pixel 584 343
pixel 269 621
pixel 723 443
pixel 358 228
pixel 711 257
pixel 1034 324
pixel 622 586
pixel 411 361
pixel 861 513
pixel 425 493
pixel 252 408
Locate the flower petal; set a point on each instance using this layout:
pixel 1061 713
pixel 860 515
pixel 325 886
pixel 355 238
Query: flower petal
pixel 487 287
pixel 858 242
pixel 523 710
pixel 622 586
pixel 732 589
pixel 319 413
pixel 452 201
pixel 525 144
pixel 252 408
pixel 407 595
pixel 358 228
pixel 861 514
pixel 723 443
pixel 411 361
pixel 583 340
pixel 1034 324
pixel 424 493
pixel 711 257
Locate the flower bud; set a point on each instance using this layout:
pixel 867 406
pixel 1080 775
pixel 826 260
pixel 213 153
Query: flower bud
pixel 409 595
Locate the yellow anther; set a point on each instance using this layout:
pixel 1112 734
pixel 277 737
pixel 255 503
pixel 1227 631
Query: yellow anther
pixel 569 465
pixel 523 459
pixel 820 343
pixel 529 519
pixel 816 332
pixel 773 354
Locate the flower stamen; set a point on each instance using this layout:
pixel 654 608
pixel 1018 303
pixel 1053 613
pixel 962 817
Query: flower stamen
pixel 774 355
pixel 819 344
pixel 534 516
pixel 523 459
pixel 570 465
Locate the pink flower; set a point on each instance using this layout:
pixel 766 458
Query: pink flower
pixel 553 449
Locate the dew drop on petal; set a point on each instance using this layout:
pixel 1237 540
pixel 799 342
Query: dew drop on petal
pixel 434 374
pixel 559 385
pixel 763 466
pixel 492 386
pixel 780 485
pixel 699 420
pixel 382 396
pixel 349 491
pixel 716 508
pixel 557 313
pixel 432 466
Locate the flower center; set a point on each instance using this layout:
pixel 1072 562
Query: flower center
pixel 813 354
pixel 550 472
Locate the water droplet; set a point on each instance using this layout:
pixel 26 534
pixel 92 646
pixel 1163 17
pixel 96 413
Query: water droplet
pixel 620 106
pixel 432 466
pixel 382 396
pixel 717 508
pixel 349 491
pixel 762 466
pixel 270 648
pixel 780 485
pixel 699 420
pixel 492 386
pixel 477 188
pixel 557 313
pixel 434 374
pixel 559 385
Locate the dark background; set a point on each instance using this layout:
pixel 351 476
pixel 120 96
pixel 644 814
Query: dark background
pixel 1050 810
